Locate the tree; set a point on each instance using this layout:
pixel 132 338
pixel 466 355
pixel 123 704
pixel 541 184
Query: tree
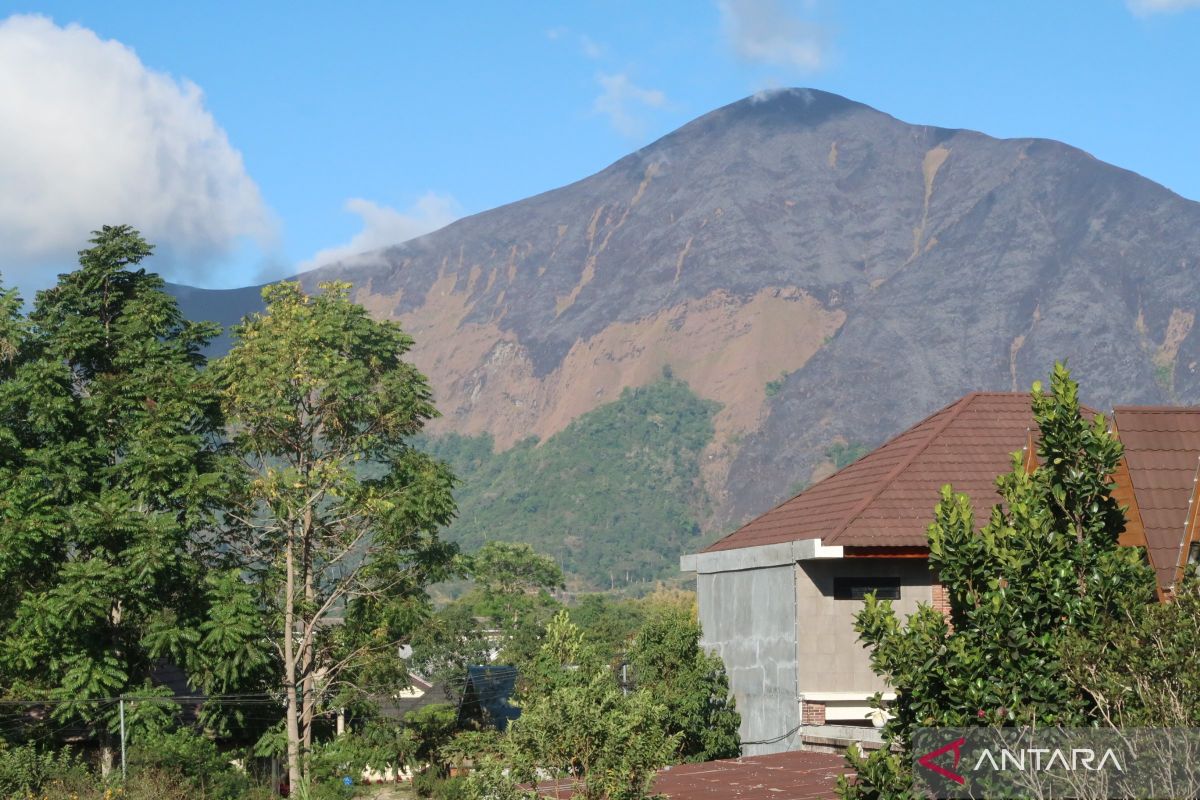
pixel 669 663
pixel 577 724
pixel 506 611
pixel 432 728
pixel 1047 563
pixel 337 524
pixel 608 623
pixel 514 568
pixel 110 469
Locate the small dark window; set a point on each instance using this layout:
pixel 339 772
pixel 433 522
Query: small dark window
pixel 858 588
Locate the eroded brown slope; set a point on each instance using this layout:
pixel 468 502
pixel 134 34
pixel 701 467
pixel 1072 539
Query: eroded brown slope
pixel 886 268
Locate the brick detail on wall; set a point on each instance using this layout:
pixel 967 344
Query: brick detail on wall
pixel 940 600
pixel 812 713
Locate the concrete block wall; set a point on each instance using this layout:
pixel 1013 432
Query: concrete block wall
pixel 749 619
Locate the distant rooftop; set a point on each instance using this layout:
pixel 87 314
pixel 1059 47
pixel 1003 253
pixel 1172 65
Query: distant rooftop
pixel 1162 448
pixel 886 498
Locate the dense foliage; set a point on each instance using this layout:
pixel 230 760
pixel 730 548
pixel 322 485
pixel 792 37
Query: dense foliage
pixel 1045 566
pixel 615 495
pixel 503 616
pixel 1143 669
pixel 670 664
pixel 267 530
pixel 578 725
pixel 109 474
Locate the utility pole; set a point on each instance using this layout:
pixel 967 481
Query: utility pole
pixel 122 703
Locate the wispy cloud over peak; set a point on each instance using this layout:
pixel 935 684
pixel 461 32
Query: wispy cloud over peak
pixel 383 226
pixel 621 99
pixel 767 32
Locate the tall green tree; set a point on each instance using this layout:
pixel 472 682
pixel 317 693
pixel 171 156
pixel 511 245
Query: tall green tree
pixel 669 662
pixel 338 523
pixel 110 469
pixel 1047 564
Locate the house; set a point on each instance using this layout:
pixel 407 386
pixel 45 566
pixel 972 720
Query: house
pixel 777 597
pixel 419 693
pixel 487 697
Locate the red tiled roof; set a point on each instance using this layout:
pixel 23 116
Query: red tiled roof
pixel 796 775
pixel 886 498
pixel 1162 448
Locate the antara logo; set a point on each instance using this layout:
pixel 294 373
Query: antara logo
pixel 1036 759
pixel 1032 759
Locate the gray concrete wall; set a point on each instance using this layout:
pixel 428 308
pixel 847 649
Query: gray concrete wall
pixel 828 653
pixel 749 619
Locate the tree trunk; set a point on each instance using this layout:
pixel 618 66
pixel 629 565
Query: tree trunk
pixel 106 756
pixel 289 667
pixel 308 657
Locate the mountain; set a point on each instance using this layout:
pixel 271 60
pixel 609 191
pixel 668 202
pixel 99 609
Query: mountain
pixel 825 272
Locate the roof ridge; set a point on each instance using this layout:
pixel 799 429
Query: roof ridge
pixel 954 409
pixel 831 476
pixel 993 393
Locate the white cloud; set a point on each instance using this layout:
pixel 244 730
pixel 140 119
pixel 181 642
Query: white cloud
pixel 620 99
pixel 383 226
pixel 1146 7
pixel 91 136
pixel 765 32
pixel 590 47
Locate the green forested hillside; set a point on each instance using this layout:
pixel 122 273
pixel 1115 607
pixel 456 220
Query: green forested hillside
pixel 615 496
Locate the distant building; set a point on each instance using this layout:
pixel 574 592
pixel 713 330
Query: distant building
pixel 778 596
pixel 420 693
pixel 487 697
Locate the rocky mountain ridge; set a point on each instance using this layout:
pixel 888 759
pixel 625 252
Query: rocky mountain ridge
pixel 825 272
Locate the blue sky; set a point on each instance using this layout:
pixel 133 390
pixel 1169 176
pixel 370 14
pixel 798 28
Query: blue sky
pixel 250 139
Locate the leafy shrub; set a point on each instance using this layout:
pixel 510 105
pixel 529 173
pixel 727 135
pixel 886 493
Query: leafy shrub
pixel 193 760
pixel 776 386
pixel 377 745
pixel 28 769
pixel 327 790
pixel 428 784
pixel 452 789
pixel 425 782
pixel 150 784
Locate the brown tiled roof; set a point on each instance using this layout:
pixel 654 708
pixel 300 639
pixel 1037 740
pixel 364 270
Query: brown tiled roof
pixel 796 775
pixel 1162 448
pixel 886 498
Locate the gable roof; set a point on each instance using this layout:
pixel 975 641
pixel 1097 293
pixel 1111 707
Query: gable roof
pixel 1162 449
pixel 488 695
pixel 886 498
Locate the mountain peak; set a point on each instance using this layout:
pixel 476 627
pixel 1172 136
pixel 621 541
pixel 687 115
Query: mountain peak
pixel 827 273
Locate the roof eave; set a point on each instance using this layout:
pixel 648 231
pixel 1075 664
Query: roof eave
pixel 759 557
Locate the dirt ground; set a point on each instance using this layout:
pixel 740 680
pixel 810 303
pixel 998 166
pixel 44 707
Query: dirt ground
pixel 394 792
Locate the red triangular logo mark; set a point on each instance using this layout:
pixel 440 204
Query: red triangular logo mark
pixel 955 746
